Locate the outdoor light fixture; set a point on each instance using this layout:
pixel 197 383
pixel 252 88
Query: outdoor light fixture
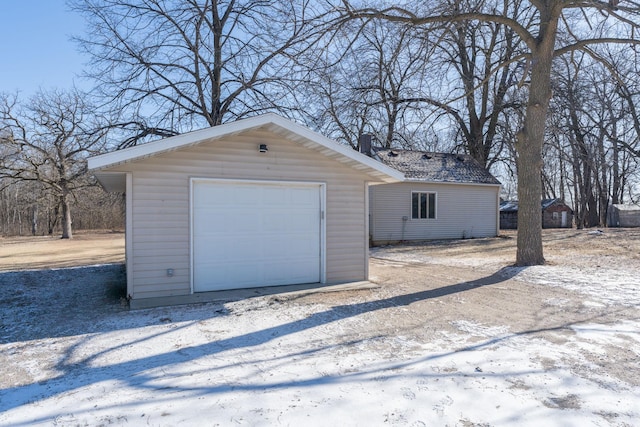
pixel 263 148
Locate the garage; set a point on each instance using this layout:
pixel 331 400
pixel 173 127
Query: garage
pixel 254 204
pixel 255 233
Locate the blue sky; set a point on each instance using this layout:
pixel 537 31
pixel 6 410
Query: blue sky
pixel 35 46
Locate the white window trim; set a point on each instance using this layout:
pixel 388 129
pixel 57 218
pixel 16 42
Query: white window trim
pixel 435 193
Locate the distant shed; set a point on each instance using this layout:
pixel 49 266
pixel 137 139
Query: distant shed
pixel 626 215
pixel 554 214
pixel 508 215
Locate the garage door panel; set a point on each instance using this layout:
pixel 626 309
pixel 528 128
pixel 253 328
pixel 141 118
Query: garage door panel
pixel 297 272
pixel 242 222
pixel 220 252
pixel 228 275
pixel 208 216
pixel 233 275
pixel 255 234
pixel 274 196
pixel 276 222
pixel 303 247
pixel 303 197
pixel 303 222
pixel 243 196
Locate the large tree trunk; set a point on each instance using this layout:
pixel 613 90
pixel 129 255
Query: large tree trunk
pixel 530 141
pixel 529 163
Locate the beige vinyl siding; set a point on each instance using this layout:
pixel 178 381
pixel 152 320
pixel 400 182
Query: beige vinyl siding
pixel 462 211
pixel 161 205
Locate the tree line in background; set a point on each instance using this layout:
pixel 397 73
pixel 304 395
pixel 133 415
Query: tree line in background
pixel 481 77
pixel 43 170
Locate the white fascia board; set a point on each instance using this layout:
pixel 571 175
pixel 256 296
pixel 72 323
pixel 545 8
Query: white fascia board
pixel 387 174
pixel 332 145
pixel 173 143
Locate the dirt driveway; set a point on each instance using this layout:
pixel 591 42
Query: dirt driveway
pixel 453 335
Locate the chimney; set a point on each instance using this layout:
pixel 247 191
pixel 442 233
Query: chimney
pixel 364 142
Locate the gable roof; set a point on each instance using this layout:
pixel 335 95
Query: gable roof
pixel 627 207
pixel 512 205
pixel 435 167
pixel 270 121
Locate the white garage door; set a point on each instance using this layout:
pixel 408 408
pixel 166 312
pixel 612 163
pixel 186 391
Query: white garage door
pixel 250 234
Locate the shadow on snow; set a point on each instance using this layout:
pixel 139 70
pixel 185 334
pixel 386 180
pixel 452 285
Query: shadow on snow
pixel 138 373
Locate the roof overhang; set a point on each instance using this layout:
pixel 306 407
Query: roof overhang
pixel 477 184
pixel 627 207
pixel 112 181
pixel 378 171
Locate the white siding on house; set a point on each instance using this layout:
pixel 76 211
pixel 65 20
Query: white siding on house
pixel 161 214
pixel 462 211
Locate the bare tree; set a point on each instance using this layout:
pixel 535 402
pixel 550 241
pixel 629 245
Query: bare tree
pixel 482 59
pixel 393 80
pixel 364 84
pixel 572 104
pixel 169 66
pixel 592 133
pixel 328 78
pixel 46 142
pixel 557 27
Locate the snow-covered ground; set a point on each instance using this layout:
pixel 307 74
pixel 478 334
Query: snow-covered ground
pixel 398 355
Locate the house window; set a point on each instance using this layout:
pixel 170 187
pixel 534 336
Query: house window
pixel 555 216
pixel 423 205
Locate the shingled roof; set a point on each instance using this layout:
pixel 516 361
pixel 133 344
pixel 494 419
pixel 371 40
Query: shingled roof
pixel 512 205
pixel 435 167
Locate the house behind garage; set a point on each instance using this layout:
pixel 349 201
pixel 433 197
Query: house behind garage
pixel 258 202
pixel 443 196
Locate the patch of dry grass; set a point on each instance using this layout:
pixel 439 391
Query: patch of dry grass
pixel 86 248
